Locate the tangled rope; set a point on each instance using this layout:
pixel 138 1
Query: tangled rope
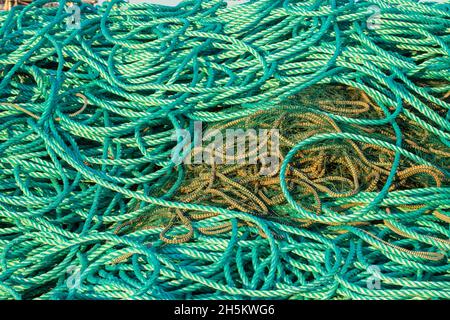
pixel 91 205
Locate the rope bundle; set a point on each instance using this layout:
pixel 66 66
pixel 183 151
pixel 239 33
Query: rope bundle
pixel 332 170
pixel 8 4
pixel 92 207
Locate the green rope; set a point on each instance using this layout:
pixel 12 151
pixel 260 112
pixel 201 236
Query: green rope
pixel 87 118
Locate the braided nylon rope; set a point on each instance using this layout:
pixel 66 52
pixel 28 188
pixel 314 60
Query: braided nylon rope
pixel 88 115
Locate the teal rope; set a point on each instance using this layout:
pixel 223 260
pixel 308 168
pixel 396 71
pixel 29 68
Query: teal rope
pixel 67 181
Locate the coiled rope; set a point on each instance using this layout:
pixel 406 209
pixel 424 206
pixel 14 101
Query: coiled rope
pixel 92 207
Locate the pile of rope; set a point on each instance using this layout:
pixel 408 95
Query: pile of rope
pixel 333 170
pixel 8 4
pixel 93 207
